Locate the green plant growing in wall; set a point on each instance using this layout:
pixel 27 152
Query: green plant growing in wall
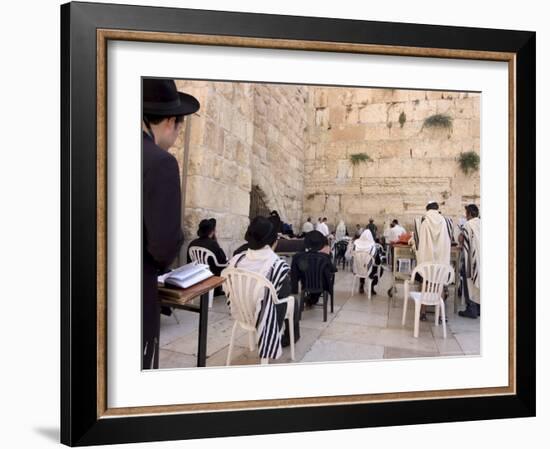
pixel 438 121
pixel 358 158
pixel 402 118
pixel 469 162
pixel 310 196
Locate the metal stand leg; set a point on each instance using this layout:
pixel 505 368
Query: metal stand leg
pixel 203 327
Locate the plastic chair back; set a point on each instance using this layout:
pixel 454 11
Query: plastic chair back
pixel 246 290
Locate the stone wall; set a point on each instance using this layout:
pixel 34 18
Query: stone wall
pixel 410 163
pixel 295 144
pixel 243 134
pixel 280 138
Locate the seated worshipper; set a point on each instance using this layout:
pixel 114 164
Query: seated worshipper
pixel 471 263
pixel 366 243
pixel 307 227
pixel 434 242
pixel 340 233
pixel 207 239
pixel 260 257
pixel 278 221
pixel 287 230
pixel 314 242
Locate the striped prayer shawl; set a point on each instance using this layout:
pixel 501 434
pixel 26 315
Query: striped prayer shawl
pixel 450 226
pixel 472 250
pixel 268 331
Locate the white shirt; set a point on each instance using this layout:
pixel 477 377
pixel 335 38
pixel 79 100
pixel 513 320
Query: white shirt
pixel 307 227
pixel 395 232
pixel 323 229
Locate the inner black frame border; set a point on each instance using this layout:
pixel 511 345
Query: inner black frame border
pixel 79 421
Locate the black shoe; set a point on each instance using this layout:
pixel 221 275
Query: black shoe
pixel 441 321
pixel 373 291
pixel 467 314
pixel 423 317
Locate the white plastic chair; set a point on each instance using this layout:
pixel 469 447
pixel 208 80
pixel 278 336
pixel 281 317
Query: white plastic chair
pixel 434 278
pixel 246 289
pixel 201 255
pixel 361 269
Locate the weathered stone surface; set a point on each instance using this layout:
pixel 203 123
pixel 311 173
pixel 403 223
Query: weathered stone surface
pixel 295 143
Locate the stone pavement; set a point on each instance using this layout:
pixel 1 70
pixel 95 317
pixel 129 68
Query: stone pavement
pixel 358 329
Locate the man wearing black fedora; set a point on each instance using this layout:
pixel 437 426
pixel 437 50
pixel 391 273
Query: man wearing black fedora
pixel 163 111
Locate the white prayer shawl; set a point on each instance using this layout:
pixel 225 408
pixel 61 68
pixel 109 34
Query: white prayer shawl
pixel 265 262
pixel 340 231
pixel 366 243
pixel 307 227
pixel 472 252
pixel 323 229
pixel 434 243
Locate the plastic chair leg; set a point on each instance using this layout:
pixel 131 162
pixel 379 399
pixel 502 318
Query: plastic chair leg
pixel 416 318
pixel 264 361
pixel 443 319
pixel 230 350
pixel 405 303
pixel 210 298
pixel 437 315
pixel 368 283
pixel 325 305
pixel 251 344
pixel 291 330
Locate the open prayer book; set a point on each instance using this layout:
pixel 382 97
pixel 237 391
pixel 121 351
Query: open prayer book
pixel 186 275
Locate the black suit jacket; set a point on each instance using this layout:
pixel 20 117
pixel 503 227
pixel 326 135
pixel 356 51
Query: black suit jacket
pixel 213 246
pixel 162 235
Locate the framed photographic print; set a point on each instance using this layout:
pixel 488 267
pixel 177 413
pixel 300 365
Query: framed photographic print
pixel 283 224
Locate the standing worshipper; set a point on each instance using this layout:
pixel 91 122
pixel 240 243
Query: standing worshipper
pixel 358 231
pixel 366 243
pixel 372 228
pixel 273 332
pixel 340 231
pixel 163 111
pixel 471 252
pixel 323 227
pixel 319 223
pixel 434 242
pixel 308 226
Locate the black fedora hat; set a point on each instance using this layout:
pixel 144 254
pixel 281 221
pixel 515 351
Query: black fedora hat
pixel 260 232
pixel 314 241
pixel 206 226
pixel 161 98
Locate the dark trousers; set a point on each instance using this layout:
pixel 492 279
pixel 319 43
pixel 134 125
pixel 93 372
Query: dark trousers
pixel 150 339
pixel 471 306
pixel 281 312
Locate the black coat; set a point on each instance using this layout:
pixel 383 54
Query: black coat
pixel 212 245
pixel 162 235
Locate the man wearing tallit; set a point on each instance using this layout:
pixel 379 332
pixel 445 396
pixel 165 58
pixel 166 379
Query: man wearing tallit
pixel 434 242
pixel 340 233
pixel 471 249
